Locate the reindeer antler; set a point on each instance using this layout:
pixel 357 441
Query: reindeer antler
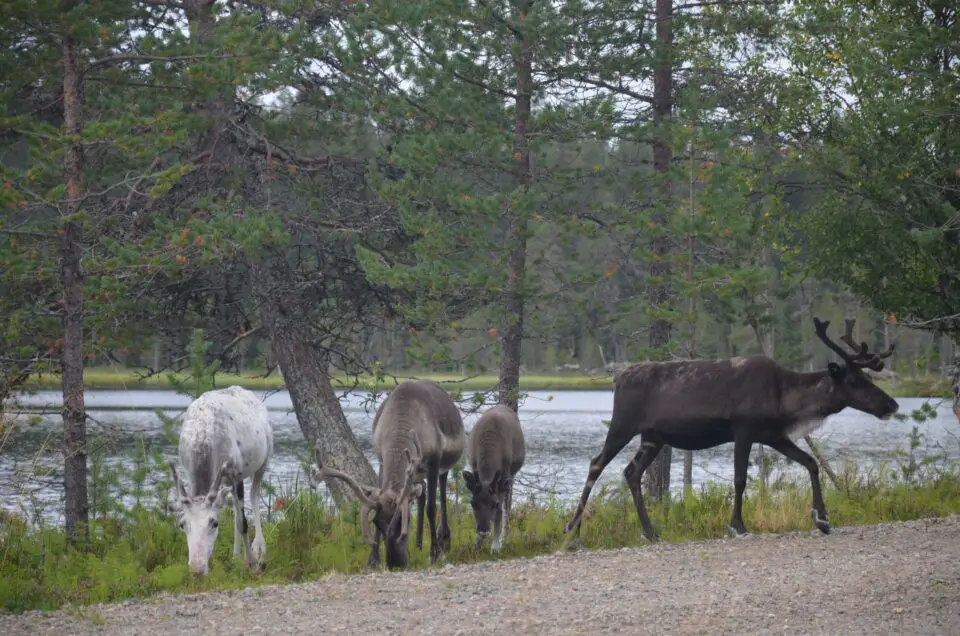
pixel 218 480
pixel 366 496
pixel 181 489
pixel 863 359
pixel 847 339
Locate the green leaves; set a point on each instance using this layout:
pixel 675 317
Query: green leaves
pixel 888 73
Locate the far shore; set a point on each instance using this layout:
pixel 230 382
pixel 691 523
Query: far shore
pixel 133 379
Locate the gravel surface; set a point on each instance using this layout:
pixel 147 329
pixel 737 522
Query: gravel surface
pixel 899 578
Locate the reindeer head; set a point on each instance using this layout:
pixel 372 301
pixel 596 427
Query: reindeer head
pixel 388 510
pixel 851 386
pixel 485 499
pixel 199 518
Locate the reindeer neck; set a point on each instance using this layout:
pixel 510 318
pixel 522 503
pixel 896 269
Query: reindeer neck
pixel 394 469
pixel 809 395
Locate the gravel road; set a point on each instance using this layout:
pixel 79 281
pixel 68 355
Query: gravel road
pixel 899 578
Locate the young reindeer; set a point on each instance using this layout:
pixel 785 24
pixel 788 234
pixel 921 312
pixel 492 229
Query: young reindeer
pixel 226 437
pixel 417 433
pixel 496 453
pixel 698 404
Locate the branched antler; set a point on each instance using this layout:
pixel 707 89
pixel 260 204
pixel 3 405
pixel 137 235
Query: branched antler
pixel 367 496
pixel 862 359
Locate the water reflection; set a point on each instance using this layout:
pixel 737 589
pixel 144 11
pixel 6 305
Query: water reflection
pixel 563 430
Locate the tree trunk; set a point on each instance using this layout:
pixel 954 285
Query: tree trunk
pixel 691 303
pixel 766 343
pixel 305 367
pixel 511 341
pixel 301 357
pixel 71 278
pixel 946 354
pixel 658 475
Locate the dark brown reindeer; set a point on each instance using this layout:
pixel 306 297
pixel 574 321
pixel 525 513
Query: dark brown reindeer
pixel 496 454
pixel 698 404
pixel 417 433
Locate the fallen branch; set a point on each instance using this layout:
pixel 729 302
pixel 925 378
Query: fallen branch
pixel 815 449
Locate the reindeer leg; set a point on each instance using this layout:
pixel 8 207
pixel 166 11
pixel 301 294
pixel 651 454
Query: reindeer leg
pixel 259 543
pixel 633 473
pixel 497 530
pixel 421 505
pixel 444 526
pixel 374 561
pixel 239 525
pixel 791 450
pixel 741 457
pixel 435 549
pixel 613 445
pixel 247 549
pixel 509 506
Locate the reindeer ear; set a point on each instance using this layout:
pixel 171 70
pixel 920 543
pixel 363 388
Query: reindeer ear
pixel 471 480
pixel 837 372
pixel 181 490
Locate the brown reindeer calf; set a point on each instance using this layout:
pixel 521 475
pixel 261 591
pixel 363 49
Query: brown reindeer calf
pixel 496 453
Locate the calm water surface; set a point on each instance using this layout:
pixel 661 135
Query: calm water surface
pixel 563 431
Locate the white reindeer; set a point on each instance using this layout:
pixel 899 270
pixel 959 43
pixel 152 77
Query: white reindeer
pixel 226 437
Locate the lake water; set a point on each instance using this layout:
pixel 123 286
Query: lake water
pixel 563 431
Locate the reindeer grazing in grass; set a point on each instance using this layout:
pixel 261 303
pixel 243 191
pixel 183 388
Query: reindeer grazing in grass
pixel 226 437
pixel 417 433
pixel 698 404
pixel 496 453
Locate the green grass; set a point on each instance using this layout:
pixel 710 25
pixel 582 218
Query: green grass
pixel 924 386
pixel 143 553
pixel 101 378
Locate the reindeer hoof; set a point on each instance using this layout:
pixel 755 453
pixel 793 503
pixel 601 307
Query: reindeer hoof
pixel 822 524
pixel 737 534
pixel 574 546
